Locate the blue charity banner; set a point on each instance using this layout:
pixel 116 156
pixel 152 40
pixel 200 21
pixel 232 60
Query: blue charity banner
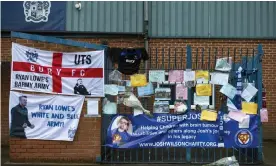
pixel 33 15
pixel 186 130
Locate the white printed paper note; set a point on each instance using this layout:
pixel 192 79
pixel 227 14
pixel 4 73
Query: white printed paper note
pixel 157 76
pixel 189 76
pixel 249 92
pixel 92 107
pixel 237 115
pixel 229 90
pixel 230 105
pixel 201 100
pixel 245 123
pixel 219 78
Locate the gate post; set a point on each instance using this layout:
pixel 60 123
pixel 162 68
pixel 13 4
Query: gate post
pixel 259 98
pixel 189 66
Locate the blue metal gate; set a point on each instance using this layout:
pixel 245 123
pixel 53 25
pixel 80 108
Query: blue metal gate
pixel 182 59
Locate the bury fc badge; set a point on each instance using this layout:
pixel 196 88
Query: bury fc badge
pixel 36 11
pixel 72 132
pixel 31 56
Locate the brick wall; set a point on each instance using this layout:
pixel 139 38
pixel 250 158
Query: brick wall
pixel 86 145
pixel 269 64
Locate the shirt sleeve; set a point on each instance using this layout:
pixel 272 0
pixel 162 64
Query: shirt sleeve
pixel 145 55
pixel 114 53
pixel 27 121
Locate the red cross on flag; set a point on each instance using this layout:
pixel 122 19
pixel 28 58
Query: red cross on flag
pixel 57 72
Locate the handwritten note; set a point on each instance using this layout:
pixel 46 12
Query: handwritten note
pixel 249 107
pixel 204 90
pixel 229 90
pixel 201 100
pixel 145 90
pixel 207 115
pixel 249 92
pixel 157 76
pixel 201 74
pixel 189 76
pixel 219 78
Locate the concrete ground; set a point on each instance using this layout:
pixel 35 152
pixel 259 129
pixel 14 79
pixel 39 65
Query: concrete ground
pixel 269 158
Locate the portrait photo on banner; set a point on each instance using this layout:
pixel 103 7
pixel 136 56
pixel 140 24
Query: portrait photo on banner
pixel 121 130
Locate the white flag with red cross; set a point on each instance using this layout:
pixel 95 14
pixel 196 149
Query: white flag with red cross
pixel 80 73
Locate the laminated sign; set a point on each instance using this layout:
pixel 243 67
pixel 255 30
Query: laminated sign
pixel 44 117
pixel 78 73
pixel 138 80
pixel 204 90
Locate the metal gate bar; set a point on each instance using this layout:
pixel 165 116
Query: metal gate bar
pixel 196 59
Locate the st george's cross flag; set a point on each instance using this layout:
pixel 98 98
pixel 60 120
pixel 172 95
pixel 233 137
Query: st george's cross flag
pixel 80 73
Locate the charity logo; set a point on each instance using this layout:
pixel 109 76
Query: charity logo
pixel 72 132
pixel 116 138
pixel 36 11
pixel 32 56
pixel 243 138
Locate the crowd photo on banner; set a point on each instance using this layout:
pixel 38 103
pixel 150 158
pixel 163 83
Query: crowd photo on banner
pixel 65 79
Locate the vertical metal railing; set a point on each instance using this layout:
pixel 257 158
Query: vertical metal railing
pixel 195 59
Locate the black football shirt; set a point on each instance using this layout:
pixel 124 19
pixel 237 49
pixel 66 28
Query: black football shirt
pixel 128 59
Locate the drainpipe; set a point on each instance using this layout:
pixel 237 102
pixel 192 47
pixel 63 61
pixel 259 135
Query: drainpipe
pixel 145 28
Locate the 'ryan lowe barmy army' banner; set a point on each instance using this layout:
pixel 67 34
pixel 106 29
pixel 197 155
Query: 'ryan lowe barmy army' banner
pixel 57 72
pixel 45 117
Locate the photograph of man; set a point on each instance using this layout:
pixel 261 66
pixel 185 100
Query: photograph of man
pixel 80 89
pixel 19 119
pixel 120 134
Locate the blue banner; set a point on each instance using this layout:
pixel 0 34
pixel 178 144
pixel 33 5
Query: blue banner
pixel 33 16
pixel 168 130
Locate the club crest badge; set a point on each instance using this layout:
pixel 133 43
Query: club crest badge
pixel 72 132
pixel 243 138
pixel 36 11
pixel 32 56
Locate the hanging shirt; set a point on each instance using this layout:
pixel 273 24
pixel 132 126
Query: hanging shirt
pixel 128 59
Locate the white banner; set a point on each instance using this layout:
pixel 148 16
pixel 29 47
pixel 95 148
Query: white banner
pixel 45 117
pixel 37 70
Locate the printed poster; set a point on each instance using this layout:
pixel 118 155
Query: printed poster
pixel 186 130
pixel 44 117
pixel 80 73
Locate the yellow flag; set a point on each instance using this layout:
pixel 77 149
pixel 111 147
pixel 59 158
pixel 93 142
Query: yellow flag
pixel 203 90
pixel 207 115
pixel 249 107
pixel 138 80
pixel 202 74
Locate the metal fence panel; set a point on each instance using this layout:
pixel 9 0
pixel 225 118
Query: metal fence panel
pixel 196 59
pixel 123 17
